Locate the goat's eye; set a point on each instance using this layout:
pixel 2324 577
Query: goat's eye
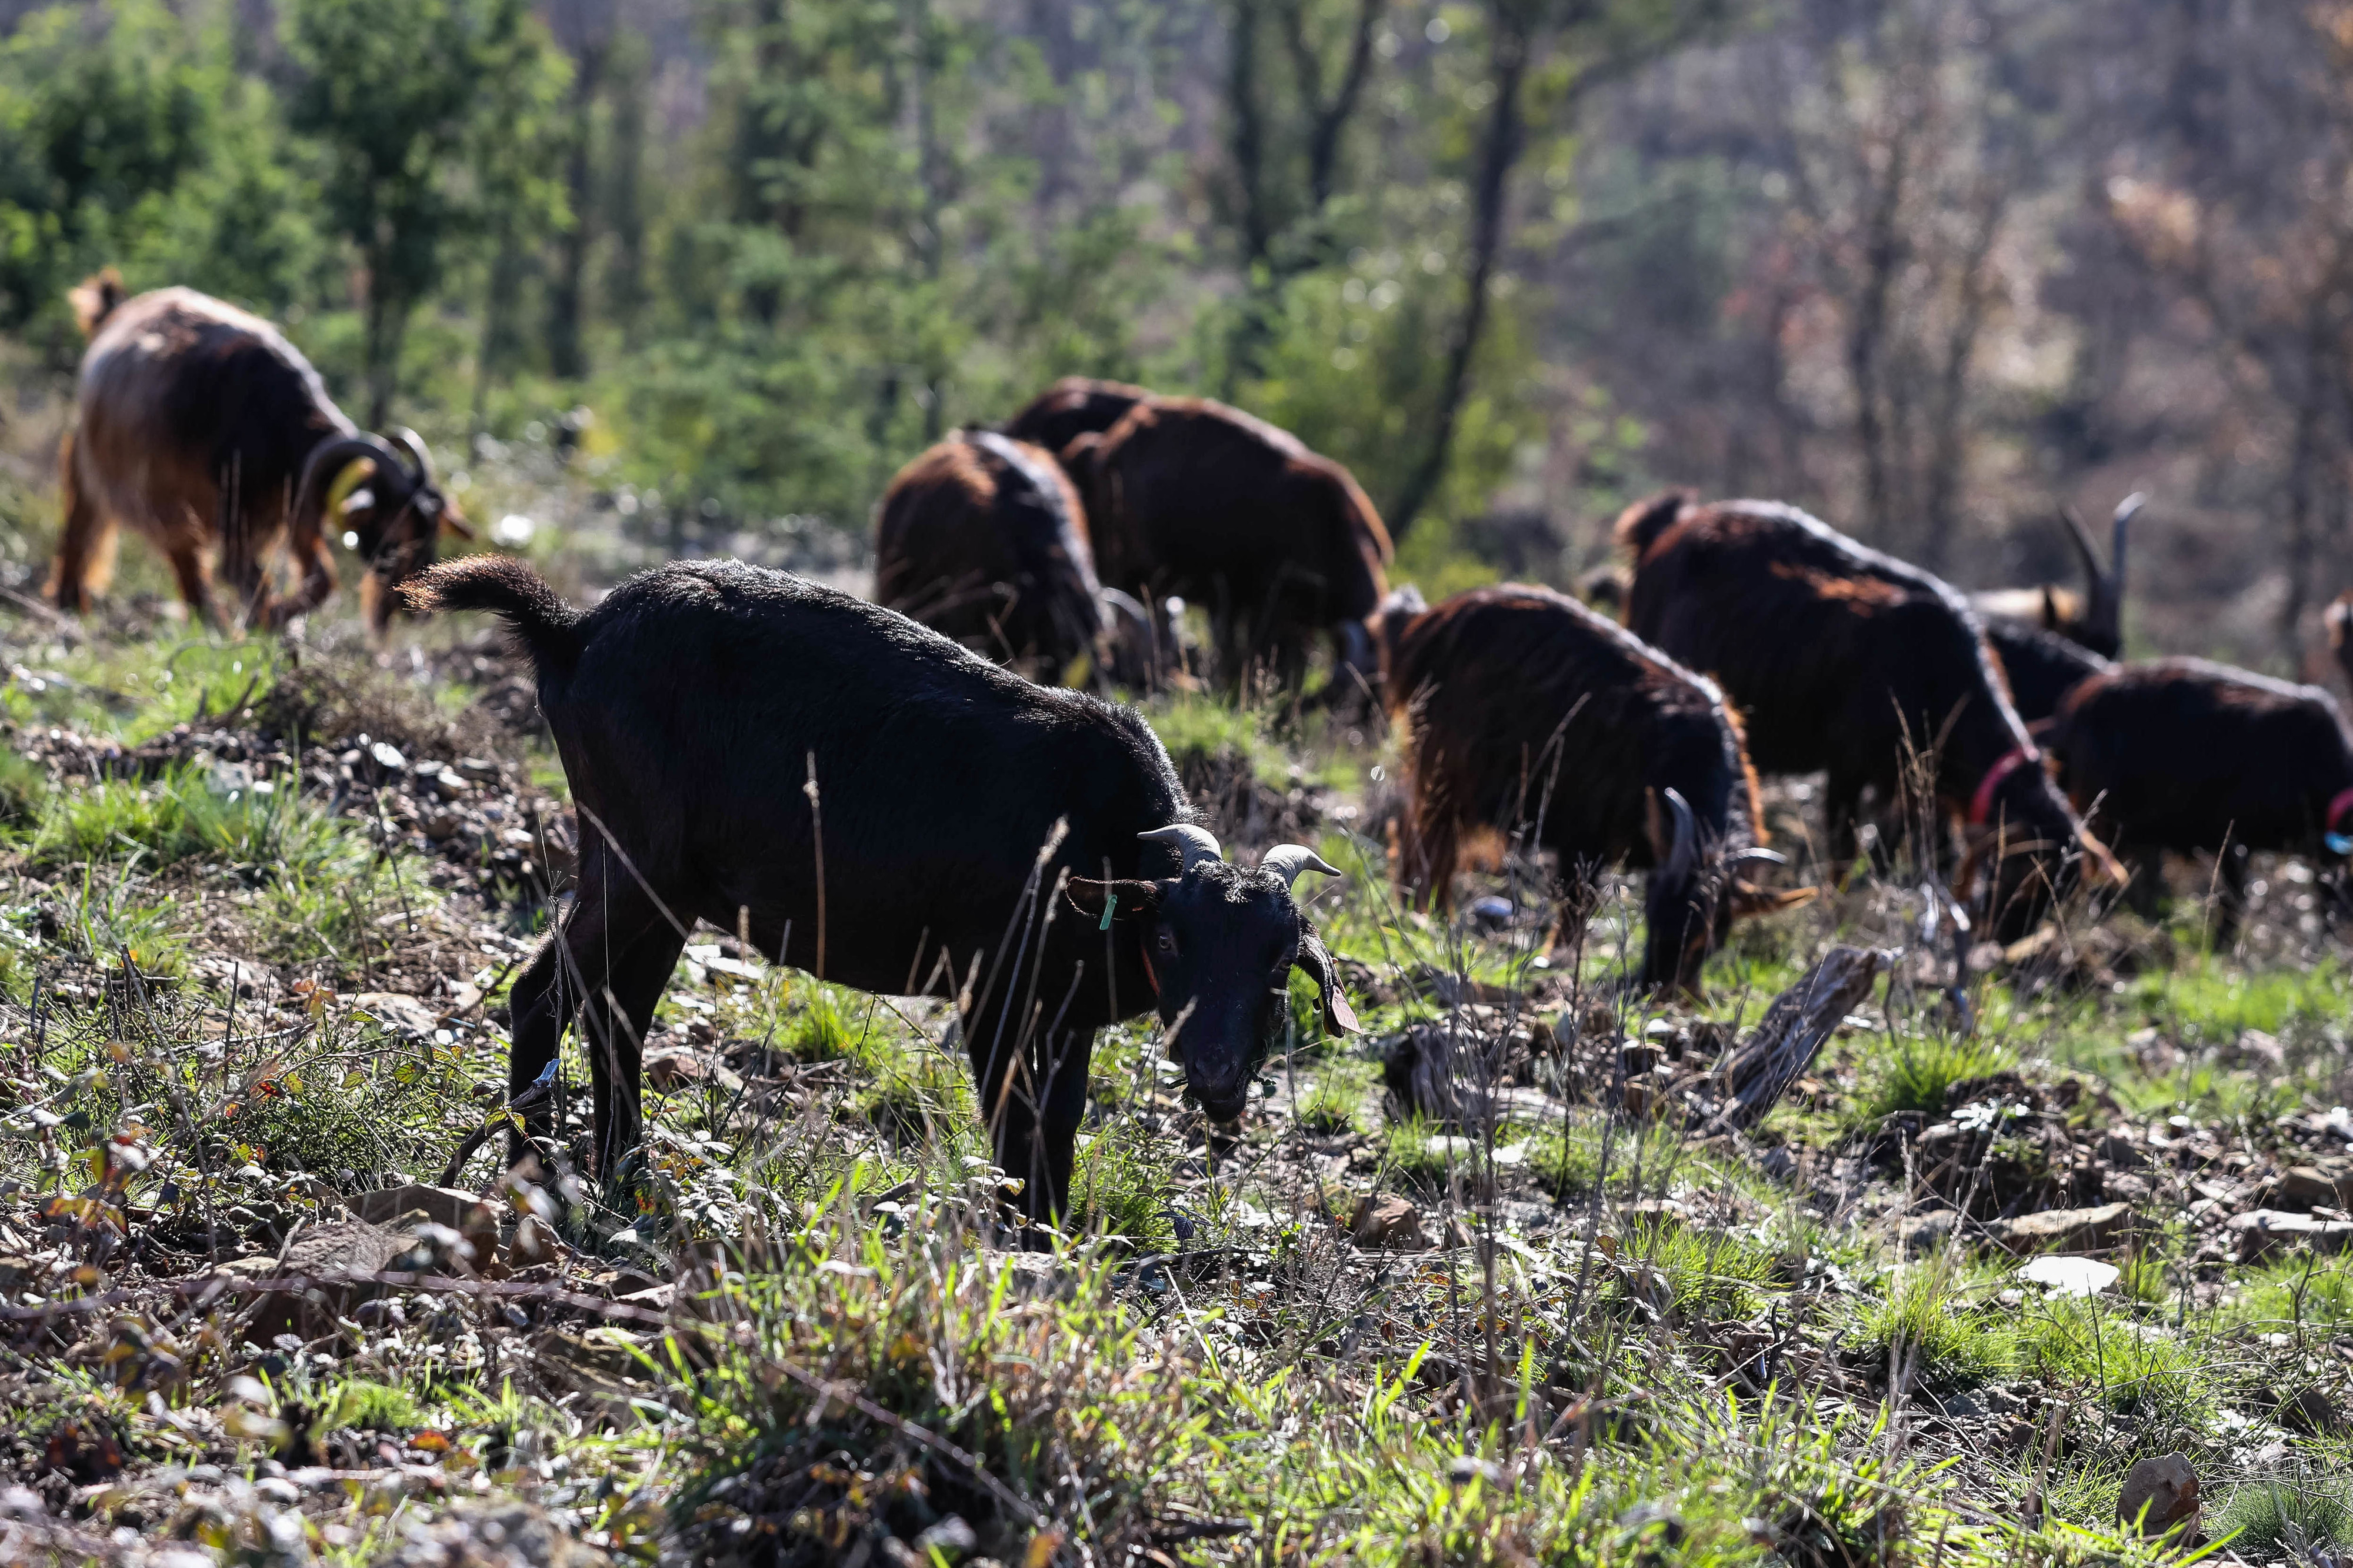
pixel 1167 939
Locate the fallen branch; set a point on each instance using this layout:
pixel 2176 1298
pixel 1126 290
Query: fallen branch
pixel 1759 1070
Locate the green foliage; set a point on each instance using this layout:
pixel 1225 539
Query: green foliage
pixel 102 115
pixel 2286 1515
pixel 1928 1334
pixel 1920 1072
pixel 430 119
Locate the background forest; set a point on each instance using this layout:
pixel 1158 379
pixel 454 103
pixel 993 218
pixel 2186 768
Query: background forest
pixel 1931 269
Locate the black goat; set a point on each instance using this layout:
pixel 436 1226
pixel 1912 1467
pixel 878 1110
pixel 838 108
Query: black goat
pixel 2091 619
pixel 1525 711
pixel 1844 659
pixel 2185 755
pixel 2040 667
pixel 947 802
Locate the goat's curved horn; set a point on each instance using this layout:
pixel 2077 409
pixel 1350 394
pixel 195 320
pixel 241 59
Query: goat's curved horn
pixel 1680 856
pixel 330 457
pixel 1287 861
pixel 420 458
pixel 1196 843
pixel 1759 853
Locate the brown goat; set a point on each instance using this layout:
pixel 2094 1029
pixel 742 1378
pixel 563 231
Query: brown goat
pixel 1528 713
pixel 1073 407
pixel 1844 660
pixel 203 428
pixel 982 539
pixel 1189 497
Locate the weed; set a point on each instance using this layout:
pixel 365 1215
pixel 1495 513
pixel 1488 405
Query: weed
pixel 1921 1070
pixel 2288 1515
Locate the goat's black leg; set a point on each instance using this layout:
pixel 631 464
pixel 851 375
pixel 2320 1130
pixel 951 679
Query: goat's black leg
pixel 1055 1149
pixel 613 1028
pixel 538 1007
pixel 2230 893
pixel 1843 806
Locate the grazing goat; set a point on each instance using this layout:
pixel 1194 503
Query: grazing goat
pixel 2194 757
pixel 1527 712
pixel 1189 497
pixel 955 817
pixel 1843 659
pixel 2093 619
pixel 2040 667
pixel 982 539
pixel 203 428
pixel 1073 407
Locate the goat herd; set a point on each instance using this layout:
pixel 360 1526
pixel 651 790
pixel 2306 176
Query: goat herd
pixel 880 803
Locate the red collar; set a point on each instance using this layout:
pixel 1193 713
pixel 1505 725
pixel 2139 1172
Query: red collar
pixel 1145 949
pixel 2338 806
pixel 1981 803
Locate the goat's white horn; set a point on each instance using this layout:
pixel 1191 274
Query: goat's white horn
pixel 1194 842
pixel 1287 861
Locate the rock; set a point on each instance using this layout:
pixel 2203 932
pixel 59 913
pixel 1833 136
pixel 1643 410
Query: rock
pixel 2070 1230
pixel 2063 1275
pixel 400 1208
pixel 2265 1234
pixel 327 1256
pixel 2161 1497
pixel 951 1538
pixel 668 1071
pixel 2313 1412
pixel 488 1535
pixel 2311 1186
pixel 1388 1222
pixel 1921 1233
pixel 402 1014
pixel 535 1242
pixel 2262 1049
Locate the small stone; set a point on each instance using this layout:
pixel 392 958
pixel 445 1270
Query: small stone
pixel 2161 1497
pixel 402 1014
pixel 1388 1222
pixel 2070 1230
pixel 535 1242
pixel 2311 1411
pixel 405 1208
pixel 670 1072
pixel 1921 1233
pixel 2310 1187
pixel 2265 1234
pixel 951 1538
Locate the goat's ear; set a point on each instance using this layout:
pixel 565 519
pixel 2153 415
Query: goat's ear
pixel 1104 902
pixel 1748 900
pixel 1313 958
pixel 452 522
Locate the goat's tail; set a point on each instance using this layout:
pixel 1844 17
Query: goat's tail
pixel 94 298
pixel 545 626
pixel 1639 525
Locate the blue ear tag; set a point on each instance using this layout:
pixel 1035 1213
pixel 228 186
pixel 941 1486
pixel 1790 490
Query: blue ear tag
pixel 2339 844
pixel 1111 903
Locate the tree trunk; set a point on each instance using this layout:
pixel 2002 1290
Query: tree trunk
pixel 624 211
pixel 564 350
pixel 1499 149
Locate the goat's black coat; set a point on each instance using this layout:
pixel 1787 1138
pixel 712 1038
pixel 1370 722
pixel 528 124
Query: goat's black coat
pixel 1525 709
pixel 2185 755
pixel 1844 660
pixel 2040 666
pixel 687 708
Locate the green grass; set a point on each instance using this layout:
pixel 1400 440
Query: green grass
pixel 1923 1326
pixel 1921 1070
pixel 2286 1515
